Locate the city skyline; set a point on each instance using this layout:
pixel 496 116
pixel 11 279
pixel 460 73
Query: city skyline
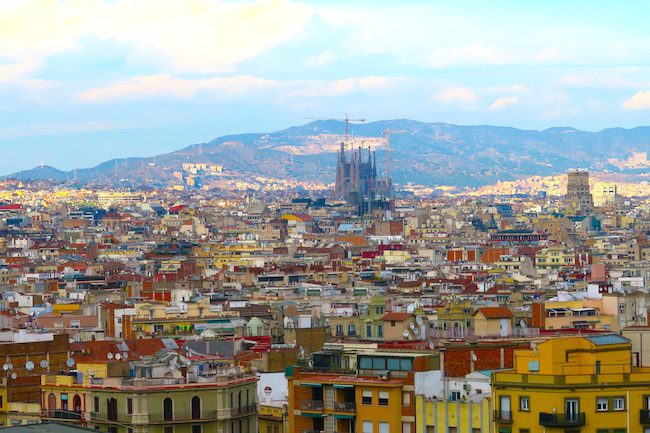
pixel 152 77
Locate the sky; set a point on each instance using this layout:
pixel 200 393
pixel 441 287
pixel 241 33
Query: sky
pixel 83 81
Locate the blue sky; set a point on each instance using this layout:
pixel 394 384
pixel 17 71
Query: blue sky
pixel 82 81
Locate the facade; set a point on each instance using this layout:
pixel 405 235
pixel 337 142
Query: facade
pixel 573 384
pixel 357 182
pixel 453 416
pixel 203 400
pixel 378 396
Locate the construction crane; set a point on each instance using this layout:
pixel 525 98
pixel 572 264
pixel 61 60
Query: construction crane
pixel 387 134
pixel 346 119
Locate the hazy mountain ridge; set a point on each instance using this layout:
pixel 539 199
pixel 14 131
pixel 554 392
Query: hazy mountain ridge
pixel 423 153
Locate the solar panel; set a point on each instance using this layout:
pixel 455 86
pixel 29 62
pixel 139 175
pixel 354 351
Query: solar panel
pixel 603 340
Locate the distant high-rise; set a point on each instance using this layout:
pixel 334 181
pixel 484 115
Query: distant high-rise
pixel 578 196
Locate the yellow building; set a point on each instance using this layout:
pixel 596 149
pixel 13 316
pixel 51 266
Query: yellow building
pixel 273 418
pixel 571 385
pixel 455 416
pixel 554 258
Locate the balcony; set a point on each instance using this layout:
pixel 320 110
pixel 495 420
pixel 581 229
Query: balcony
pixel 312 405
pixel 243 410
pixel 502 416
pixel 61 414
pixel 562 419
pixel 644 416
pixel 346 406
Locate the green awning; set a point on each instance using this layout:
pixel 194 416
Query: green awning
pixel 337 416
pixel 310 384
pixel 312 415
pixel 336 385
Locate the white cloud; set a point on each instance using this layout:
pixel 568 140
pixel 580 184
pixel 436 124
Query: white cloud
pixel 472 55
pixel 194 36
pixel 503 102
pixel 166 86
pixel 149 86
pixel 462 94
pixel 638 101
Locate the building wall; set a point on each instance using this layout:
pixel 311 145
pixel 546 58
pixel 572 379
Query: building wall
pixel 458 415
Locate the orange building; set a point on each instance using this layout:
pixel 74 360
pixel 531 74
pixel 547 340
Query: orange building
pixel 378 395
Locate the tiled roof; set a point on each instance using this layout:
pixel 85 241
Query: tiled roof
pixel 397 317
pixel 495 312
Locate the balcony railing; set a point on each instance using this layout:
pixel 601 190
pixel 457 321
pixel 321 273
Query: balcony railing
pixel 312 405
pixel 346 406
pixel 502 416
pixel 184 416
pixel 61 414
pixel 644 416
pixel 562 419
pixel 243 410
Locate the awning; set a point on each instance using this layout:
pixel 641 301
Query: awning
pixel 337 416
pixel 311 384
pixel 312 415
pixel 338 385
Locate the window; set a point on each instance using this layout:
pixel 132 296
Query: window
pixel 384 427
pixel 365 362
pixel 454 395
pixel 379 363
pixel 619 403
pixel 406 398
pixel 95 404
pixel 352 330
pixel 129 406
pixel 383 398
pixel 392 323
pixel 597 367
pixel 524 404
pixel 601 404
pixel 406 427
pixel 366 397
pixel 369 330
pixel 524 430
pixel 196 407
pixel 367 427
pixel 168 410
pixel 380 331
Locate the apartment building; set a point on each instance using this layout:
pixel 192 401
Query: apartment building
pixel 573 384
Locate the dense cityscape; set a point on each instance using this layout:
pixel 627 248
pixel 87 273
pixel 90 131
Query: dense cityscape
pixel 308 216
pixel 361 310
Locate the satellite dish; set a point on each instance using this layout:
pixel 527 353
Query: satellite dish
pixel 14 375
pixel 44 363
pixel 11 366
pixel 419 320
pixel 474 357
pixel 118 356
pixel 5 367
pixel 412 325
pixel 109 355
pixel 432 345
pixel 69 362
pixel 405 333
pixel 416 331
pixel 29 365
pixel 125 355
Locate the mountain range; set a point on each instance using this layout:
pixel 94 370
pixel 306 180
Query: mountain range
pixel 421 153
